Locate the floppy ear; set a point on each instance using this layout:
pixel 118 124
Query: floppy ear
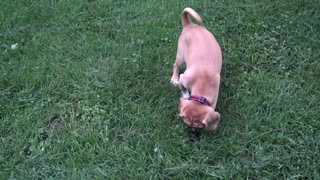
pixel 182 112
pixel 211 121
pixel 181 105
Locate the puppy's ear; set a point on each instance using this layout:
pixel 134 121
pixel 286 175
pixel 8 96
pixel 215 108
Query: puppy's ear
pixel 182 104
pixel 211 121
pixel 182 112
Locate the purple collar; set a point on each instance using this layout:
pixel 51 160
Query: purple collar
pixel 200 99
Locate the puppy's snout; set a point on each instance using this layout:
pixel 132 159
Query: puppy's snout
pixel 194 133
pixel 194 130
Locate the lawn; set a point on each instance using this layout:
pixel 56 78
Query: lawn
pixel 85 90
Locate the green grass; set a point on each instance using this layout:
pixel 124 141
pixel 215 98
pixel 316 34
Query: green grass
pixel 86 94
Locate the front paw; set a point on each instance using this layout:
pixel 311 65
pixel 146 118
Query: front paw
pixel 185 95
pixel 174 82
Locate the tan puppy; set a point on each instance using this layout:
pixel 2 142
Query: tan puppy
pixel 198 48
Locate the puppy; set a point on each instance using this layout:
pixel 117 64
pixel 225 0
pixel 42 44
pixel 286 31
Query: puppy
pixel 200 82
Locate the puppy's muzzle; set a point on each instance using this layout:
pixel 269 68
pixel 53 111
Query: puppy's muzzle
pixel 194 133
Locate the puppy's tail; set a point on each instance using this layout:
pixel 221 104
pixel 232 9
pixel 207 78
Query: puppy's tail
pixel 185 16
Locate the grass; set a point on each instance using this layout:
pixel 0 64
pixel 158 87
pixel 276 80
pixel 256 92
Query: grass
pixel 86 93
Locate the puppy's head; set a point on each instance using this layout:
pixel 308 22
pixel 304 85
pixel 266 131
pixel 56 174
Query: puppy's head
pixel 198 116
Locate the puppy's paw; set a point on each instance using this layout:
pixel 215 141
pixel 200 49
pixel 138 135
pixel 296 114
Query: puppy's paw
pixel 186 95
pixel 175 82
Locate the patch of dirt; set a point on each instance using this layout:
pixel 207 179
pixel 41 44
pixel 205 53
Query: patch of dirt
pixel 54 122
